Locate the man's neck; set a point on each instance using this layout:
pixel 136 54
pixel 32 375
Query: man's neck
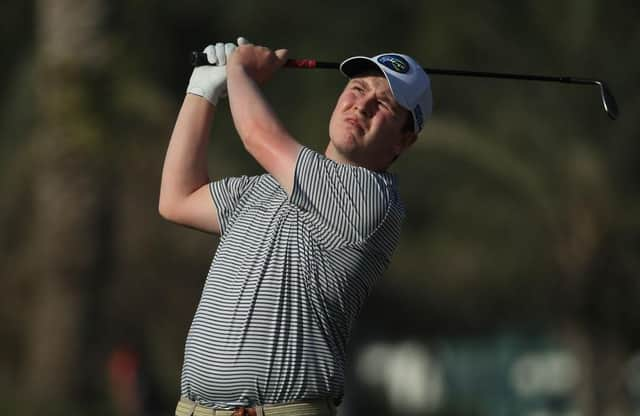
pixel 332 153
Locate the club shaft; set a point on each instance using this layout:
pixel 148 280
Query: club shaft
pixel 199 58
pixel 311 64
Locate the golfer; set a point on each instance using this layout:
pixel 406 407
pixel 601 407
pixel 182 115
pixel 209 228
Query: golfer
pixel 302 245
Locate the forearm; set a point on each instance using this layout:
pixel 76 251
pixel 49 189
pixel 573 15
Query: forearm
pixel 262 133
pixel 185 165
pixel 253 117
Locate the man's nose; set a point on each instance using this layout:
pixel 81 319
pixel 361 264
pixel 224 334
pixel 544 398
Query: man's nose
pixel 366 105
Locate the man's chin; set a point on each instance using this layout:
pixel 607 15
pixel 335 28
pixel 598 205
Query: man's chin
pixel 347 143
pixel 343 150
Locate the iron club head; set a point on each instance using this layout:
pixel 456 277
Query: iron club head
pixel 609 103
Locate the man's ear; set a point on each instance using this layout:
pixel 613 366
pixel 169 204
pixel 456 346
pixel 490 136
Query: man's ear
pixel 410 138
pixel 406 140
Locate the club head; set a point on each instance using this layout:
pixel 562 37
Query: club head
pixel 609 103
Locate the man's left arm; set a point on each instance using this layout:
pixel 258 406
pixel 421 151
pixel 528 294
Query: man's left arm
pixel 262 133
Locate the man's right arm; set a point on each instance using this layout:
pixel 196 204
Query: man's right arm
pixel 184 191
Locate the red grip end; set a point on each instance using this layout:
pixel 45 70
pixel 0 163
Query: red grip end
pixel 301 63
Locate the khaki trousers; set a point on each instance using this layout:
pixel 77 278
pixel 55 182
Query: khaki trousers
pixel 321 407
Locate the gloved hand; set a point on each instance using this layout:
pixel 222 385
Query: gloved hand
pixel 210 81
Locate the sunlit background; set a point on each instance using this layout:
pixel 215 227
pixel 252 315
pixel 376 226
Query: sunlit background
pixel 516 284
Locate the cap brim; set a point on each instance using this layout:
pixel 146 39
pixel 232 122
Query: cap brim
pixel 357 65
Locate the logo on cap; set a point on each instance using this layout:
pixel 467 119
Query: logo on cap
pixel 394 63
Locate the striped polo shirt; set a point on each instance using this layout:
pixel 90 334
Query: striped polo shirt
pixel 287 281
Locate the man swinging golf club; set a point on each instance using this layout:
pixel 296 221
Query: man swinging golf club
pixel 302 245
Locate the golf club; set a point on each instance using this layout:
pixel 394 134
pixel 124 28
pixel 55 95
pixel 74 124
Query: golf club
pixel 608 102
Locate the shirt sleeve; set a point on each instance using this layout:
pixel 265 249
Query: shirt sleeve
pixel 227 196
pixel 345 204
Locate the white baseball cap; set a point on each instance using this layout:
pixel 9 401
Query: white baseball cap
pixel 410 85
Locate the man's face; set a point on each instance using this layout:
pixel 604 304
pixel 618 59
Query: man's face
pixel 367 124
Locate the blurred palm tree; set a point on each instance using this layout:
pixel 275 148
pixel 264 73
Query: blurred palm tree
pixel 69 241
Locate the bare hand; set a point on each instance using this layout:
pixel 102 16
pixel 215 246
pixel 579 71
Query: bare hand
pixel 259 62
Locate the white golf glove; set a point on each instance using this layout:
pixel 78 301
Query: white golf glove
pixel 210 81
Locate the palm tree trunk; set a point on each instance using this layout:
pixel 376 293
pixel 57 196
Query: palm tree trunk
pixel 69 198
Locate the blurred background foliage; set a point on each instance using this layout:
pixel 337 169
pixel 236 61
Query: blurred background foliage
pixel 523 200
